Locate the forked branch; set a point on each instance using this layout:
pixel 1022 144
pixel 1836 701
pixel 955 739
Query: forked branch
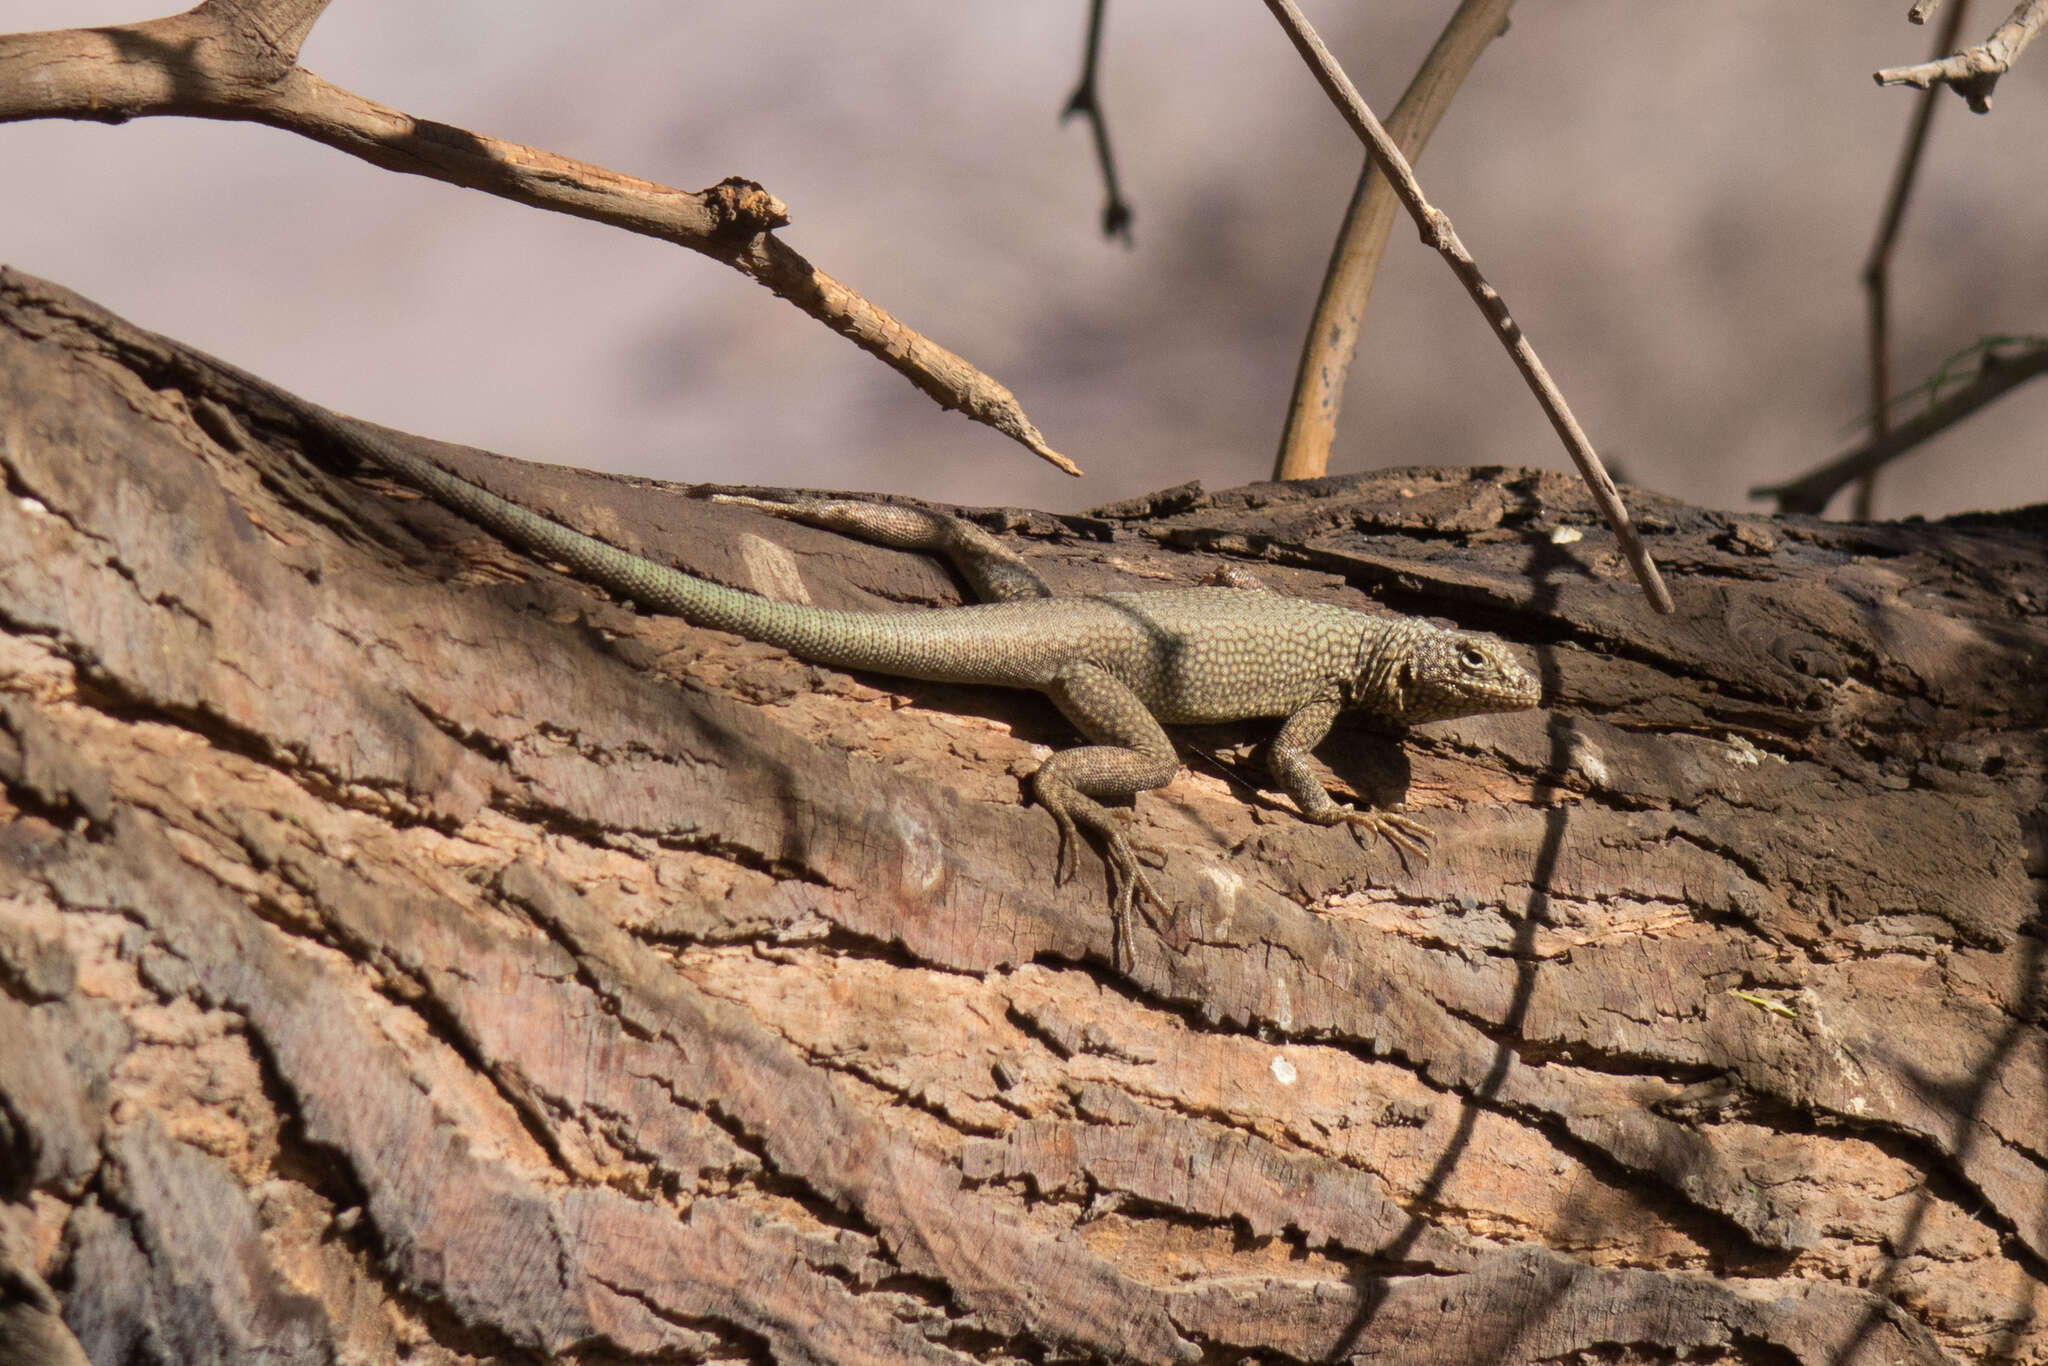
pixel 1877 265
pixel 1973 73
pixel 237 59
pixel 1086 100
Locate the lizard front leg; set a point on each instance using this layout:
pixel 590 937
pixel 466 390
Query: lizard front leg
pixel 1130 753
pixel 1287 759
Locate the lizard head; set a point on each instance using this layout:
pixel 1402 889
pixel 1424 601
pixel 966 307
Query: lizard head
pixel 1454 673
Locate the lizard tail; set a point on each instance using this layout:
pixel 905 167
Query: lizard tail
pixel 814 633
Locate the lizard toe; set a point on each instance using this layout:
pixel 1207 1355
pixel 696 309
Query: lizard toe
pixel 1068 864
pixel 1408 836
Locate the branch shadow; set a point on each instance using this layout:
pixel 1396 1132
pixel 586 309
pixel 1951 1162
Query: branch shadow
pixel 1546 562
pixel 2032 1000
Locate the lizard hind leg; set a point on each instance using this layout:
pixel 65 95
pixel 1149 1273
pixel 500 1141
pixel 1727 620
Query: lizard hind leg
pixel 995 572
pixel 1131 753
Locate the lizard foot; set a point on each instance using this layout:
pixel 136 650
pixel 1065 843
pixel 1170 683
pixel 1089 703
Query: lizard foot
pixel 1128 884
pixel 1409 836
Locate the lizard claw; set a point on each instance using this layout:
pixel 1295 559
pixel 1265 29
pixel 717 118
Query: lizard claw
pixel 1128 884
pixel 1070 838
pixel 1129 887
pixel 1409 836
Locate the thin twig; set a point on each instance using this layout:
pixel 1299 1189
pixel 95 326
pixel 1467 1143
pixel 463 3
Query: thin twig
pixel 1810 492
pixel 1877 266
pixel 1332 341
pixel 237 60
pixel 1973 73
pixel 1438 233
pixel 1116 213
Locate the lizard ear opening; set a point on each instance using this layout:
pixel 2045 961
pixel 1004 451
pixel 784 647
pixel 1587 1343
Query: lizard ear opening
pixel 1404 685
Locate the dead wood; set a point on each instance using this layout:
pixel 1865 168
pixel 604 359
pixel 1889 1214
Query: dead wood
pixel 407 952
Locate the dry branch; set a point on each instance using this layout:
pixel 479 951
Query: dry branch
pixel 1332 341
pixel 1087 100
pixel 1811 492
pixel 238 61
pixel 1438 233
pixel 1973 73
pixel 1877 265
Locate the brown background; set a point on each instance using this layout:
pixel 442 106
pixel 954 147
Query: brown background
pixel 1675 199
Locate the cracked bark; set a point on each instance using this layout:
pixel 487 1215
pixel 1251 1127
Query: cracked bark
pixel 421 955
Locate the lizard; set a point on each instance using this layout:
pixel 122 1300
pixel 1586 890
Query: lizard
pixel 1120 666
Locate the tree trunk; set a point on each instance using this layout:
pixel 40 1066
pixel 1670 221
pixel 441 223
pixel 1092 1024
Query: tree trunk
pixel 407 952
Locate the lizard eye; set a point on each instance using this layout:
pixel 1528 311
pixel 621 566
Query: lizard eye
pixel 1472 657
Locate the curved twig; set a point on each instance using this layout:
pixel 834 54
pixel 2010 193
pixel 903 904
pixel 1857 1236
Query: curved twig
pixel 1332 341
pixel 1973 73
pixel 237 60
pixel 1438 233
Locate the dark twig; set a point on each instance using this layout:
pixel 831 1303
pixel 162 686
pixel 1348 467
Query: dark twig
pixel 1116 214
pixel 1332 341
pixel 1438 233
pixel 1810 492
pixel 1973 73
pixel 1877 266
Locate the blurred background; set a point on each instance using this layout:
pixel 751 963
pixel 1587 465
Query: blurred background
pixel 1675 199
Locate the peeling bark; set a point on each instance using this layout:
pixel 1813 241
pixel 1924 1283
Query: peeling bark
pixel 406 951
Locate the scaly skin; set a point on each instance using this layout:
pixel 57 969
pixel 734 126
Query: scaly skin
pixel 1118 664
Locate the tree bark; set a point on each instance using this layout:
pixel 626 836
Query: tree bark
pixel 407 952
